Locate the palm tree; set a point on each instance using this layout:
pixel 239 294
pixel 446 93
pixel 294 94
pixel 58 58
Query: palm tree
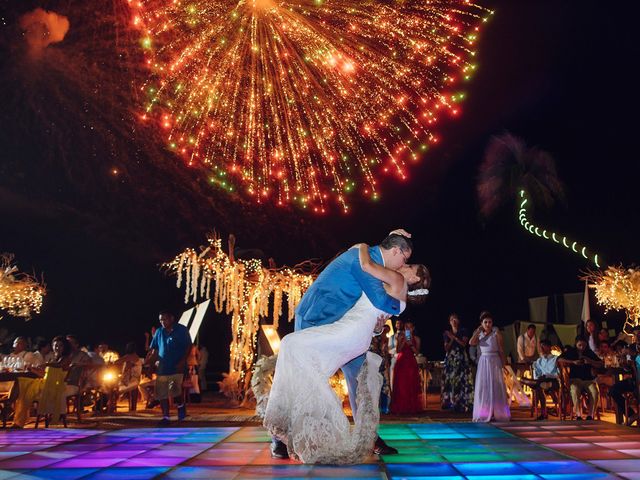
pixel 513 172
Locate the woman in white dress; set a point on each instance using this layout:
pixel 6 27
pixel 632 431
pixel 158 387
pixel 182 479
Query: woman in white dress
pixel 303 411
pixel 490 400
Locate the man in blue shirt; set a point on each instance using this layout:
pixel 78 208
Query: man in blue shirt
pixel 170 347
pixel 545 374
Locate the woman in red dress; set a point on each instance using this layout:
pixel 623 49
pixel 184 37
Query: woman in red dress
pixel 405 395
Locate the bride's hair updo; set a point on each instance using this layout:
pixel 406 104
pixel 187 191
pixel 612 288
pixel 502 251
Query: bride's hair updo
pixel 423 283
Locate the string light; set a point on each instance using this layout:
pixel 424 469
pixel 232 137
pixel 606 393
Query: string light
pixel 555 237
pixel 618 288
pixel 304 102
pixel 243 289
pixel 21 294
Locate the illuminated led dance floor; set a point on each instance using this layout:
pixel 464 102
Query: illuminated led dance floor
pixel 441 451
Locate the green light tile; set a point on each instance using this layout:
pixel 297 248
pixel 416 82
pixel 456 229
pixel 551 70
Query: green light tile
pixel 474 457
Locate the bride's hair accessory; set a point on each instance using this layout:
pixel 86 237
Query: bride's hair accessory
pixel 419 291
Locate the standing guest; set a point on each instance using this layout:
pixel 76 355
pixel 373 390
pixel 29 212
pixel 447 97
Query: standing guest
pixel 193 363
pixel 528 345
pixel 393 349
pixel 545 375
pixel 405 395
pixel 202 368
pixel 592 335
pixel 147 338
pixel 170 346
pixel 380 346
pixel 490 400
pixel 457 382
pixel 581 362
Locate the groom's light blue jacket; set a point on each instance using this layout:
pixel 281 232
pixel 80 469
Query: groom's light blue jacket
pixel 339 287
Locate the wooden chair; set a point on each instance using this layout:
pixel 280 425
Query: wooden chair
pixel 632 399
pixel 50 394
pixel 564 396
pixel 566 405
pixel 5 407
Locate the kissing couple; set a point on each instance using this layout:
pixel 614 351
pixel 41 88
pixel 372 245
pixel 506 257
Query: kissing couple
pixel 335 320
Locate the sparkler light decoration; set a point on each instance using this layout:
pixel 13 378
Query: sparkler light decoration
pixel 244 289
pixel 618 288
pixel 20 294
pixel 304 101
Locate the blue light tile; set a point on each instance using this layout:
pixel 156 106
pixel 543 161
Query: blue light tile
pixel 490 468
pixel 567 466
pixel 580 476
pixel 195 473
pixel 420 469
pixel 127 473
pixel 61 473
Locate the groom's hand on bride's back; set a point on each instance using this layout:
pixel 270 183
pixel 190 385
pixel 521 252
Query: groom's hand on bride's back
pixel 400 231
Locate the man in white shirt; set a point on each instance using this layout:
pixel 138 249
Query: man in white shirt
pixel 20 352
pixel 545 375
pixel 528 348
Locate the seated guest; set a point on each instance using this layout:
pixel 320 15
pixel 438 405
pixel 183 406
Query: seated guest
pixel 545 375
pixel 131 368
pixel 628 383
pixel 43 354
pixel 634 348
pixel 607 355
pixel 528 345
pixel 20 354
pixel 581 362
pixel 108 355
pixel 32 389
pixel 19 359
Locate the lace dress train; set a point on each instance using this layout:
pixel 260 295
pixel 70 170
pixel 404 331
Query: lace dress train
pixel 303 410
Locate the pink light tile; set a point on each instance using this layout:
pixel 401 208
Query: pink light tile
pixel 596 454
pixel 151 462
pixel 634 452
pixel 619 445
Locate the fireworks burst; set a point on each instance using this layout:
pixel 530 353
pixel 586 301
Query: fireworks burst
pixel 304 101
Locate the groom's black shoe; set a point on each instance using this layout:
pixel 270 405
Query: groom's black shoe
pixel 382 448
pixel 279 450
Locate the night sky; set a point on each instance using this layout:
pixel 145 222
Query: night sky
pixel 557 74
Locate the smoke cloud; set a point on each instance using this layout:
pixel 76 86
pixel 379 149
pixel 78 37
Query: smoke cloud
pixel 42 28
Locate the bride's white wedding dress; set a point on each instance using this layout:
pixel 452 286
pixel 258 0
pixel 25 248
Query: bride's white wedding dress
pixel 303 410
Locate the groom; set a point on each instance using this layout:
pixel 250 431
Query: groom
pixel 336 290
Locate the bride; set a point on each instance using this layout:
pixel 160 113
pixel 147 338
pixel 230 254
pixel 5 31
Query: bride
pixel 303 411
